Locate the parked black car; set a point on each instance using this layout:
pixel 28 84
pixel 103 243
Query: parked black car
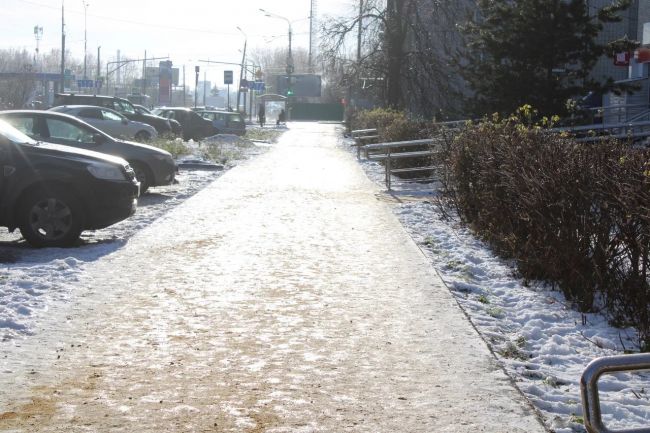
pixel 153 166
pixel 194 126
pixel 53 192
pixel 177 129
pixel 226 122
pixel 120 105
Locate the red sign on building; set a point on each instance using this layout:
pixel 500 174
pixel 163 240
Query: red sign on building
pixel 642 55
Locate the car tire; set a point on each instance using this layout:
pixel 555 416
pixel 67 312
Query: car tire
pixel 143 174
pixel 143 136
pixel 51 218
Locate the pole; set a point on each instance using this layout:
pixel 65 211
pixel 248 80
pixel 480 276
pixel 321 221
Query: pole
pixel 359 33
pixel 85 3
pixel 250 105
pixel 289 72
pixel 62 47
pixel 144 73
pixel 196 84
pixel 98 85
pixel 241 71
pixel 311 30
pixel 184 89
pixel 228 107
pixel 205 80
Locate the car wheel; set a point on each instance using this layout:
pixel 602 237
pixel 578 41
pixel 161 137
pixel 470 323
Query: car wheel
pixel 143 175
pixel 52 218
pixel 143 136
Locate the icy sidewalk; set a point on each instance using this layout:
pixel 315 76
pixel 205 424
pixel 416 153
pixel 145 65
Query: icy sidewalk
pixel 285 297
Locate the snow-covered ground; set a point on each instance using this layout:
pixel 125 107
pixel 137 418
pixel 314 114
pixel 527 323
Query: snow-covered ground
pixel 543 343
pixel 31 280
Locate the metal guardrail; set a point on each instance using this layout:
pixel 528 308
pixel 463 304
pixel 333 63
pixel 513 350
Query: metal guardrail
pixel 385 153
pixel 628 130
pixel 361 136
pixel 589 388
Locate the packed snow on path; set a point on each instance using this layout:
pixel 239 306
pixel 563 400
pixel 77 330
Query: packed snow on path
pixel 534 331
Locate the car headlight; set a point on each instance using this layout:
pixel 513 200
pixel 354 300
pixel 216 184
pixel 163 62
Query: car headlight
pixel 106 171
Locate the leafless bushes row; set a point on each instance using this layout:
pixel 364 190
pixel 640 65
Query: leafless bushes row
pixel 574 214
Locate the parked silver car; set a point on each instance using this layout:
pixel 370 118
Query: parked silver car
pixel 152 166
pixel 109 121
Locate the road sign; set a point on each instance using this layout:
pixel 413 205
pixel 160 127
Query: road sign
pixel 227 77
pixel 85 83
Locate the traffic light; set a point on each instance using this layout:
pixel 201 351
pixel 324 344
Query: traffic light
pixel 289 92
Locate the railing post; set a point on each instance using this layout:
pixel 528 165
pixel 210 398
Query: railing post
pixel 589 387
pixel 388 169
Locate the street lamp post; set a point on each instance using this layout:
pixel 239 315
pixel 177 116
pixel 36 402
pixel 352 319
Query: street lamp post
pixel 85 3
pixel 289 55
pixel 241 71
pixel 290 67
pixel 196 84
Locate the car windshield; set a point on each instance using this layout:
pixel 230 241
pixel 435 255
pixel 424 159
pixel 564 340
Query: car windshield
pixel 140 109
pixel 15 135
pixel 125 107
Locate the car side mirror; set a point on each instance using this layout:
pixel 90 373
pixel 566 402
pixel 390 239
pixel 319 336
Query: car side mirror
pixel 98 139
pixel 125 121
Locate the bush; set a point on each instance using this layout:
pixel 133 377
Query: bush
pixel 572 213
pixel 174 146
pixel 393 126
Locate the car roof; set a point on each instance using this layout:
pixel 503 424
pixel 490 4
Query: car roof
pixel 46 113
pixel 83 95
pixel 79 106
pixel 174 108
pixel 217 111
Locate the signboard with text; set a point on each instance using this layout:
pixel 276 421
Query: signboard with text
pixel 165 83
pixel 227 77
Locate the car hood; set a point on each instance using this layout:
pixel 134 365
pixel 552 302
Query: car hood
pixel 145 147
pixel 74 152
pixel 152 117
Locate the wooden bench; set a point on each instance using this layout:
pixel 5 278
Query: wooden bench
pixel 386 152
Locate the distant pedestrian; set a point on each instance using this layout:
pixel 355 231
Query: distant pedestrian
pixel 281 118
pixel 261 115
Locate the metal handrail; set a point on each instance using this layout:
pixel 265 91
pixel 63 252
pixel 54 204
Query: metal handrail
pixel 392 144
pixel 589 387
pixel 387 154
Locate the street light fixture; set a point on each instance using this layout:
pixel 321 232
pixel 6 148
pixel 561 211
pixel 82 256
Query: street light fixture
pixel 289 56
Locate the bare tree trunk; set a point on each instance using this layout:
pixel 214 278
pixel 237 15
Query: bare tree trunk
pixel 395 35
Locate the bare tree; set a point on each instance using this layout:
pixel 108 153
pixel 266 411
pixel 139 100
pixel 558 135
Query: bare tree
pixel 406 48
pixel 18 81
